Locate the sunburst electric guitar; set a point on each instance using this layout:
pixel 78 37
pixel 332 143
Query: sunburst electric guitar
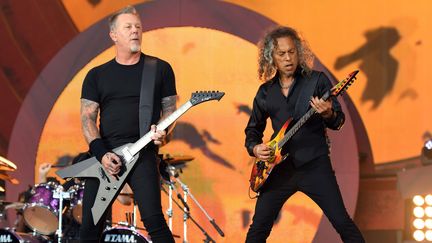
pixel 109 187
pixel 262 169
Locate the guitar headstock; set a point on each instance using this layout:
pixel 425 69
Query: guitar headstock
pixel 203 96
pixel 344 84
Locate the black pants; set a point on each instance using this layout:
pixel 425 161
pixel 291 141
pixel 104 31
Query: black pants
pixel 145 183
pixel 316 179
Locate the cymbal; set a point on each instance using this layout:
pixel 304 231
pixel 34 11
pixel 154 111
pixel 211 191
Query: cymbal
pixel 177 159
pixel 15 205
pixel 7 205
pixel 6 177
pixel 6 168
pixel 128 194
pixel 7 164
pixel 2 189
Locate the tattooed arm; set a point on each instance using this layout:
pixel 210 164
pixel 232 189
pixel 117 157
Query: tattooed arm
pixel 89 112
pixel 168 107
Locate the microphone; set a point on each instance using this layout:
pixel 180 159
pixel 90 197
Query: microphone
pixel 183 201
pixel 217 227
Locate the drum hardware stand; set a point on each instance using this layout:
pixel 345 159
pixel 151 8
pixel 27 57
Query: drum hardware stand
pixel 208 239
pixel 131 218
pixel 170 206
pixel 134 214
pixel 171 188
pixel 187 192
pixel 185 212
pixel 60 194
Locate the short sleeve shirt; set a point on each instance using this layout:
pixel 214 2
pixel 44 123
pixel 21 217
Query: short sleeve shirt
pixel 116 88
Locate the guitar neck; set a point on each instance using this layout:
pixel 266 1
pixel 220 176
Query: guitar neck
pixel 146 139
pixel 300 122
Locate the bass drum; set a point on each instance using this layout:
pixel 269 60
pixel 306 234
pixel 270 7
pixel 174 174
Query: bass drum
pixel 16 237
pixel 41 212
pixel 123 234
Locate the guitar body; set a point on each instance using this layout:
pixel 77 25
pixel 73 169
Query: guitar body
pixel 261 169
pixel 109 187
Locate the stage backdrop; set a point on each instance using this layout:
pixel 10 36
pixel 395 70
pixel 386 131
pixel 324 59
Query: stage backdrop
pixel 211 45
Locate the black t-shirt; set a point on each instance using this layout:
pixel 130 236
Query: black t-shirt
pixel 116 88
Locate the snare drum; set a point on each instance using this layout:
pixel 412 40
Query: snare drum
pixel 41 212
pixel 15 237
pixel 123 234
pixel 77 194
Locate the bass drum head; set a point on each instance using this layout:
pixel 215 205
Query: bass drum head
pixel 15 237
pixel 77 213
pixel 123 234
pixel 40 219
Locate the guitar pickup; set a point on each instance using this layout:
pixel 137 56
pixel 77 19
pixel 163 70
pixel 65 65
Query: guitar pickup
pixel 261 165
pixel 127 155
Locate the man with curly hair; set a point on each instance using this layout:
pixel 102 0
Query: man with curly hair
pixel 290 88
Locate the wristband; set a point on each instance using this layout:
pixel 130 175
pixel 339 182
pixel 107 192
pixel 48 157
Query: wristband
pixel 98 149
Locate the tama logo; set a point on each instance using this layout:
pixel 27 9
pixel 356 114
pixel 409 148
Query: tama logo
pixel 6 238
pixel 118 238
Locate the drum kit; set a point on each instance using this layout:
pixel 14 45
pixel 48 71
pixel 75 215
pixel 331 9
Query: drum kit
pixel 39 215
pixel 50 209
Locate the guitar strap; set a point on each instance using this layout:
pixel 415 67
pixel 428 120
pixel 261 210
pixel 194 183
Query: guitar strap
pixel 307 91
pixel 148 81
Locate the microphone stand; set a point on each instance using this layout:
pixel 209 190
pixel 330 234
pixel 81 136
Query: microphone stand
pixel 187 192
pixel 208 239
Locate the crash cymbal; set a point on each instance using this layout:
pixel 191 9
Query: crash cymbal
pixel 177 159
pixel 6 177
pixel 2 189
pixel 7 164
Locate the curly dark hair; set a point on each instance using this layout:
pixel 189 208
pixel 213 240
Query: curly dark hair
pixel 266 66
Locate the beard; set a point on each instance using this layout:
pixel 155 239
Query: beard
pixel 289 73
pixel 135 48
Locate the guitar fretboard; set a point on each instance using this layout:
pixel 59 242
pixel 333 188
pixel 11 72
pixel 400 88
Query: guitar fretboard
pixel 300 123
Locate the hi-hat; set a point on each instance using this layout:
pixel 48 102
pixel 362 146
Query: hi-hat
pixel 7 165
pixel 6 177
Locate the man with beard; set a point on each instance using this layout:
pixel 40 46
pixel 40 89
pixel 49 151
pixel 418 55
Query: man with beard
pixel 112 90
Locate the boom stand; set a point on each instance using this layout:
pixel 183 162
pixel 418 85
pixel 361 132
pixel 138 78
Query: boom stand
pixel 186 193
pixel 208 239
